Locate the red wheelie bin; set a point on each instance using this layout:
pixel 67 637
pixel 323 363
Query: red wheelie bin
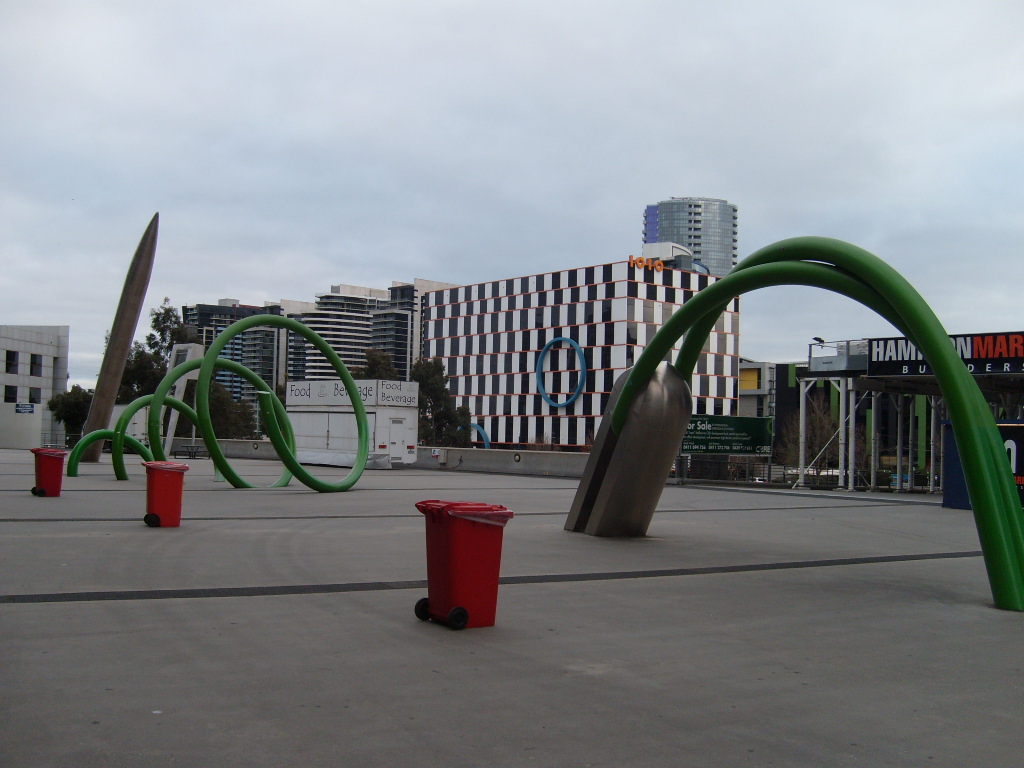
pixel 165 481
pixel 49 471
pixel 463 562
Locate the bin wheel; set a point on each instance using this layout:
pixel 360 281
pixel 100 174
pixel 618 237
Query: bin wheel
pixel 37 491
pixel 422 609
pixel 153 521
pixel 458 618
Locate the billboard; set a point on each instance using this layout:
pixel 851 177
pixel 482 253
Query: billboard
pixel 954 486
pixel 332 393
pixel 729 435
pixel 982 353
pixel 1013 441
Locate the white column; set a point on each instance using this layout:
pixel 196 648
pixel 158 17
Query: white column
pixel 841 479
pixel 851 444
pixel 802 481
pixel 899 442
pixel 874 439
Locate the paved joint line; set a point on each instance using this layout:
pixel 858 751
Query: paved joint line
pixel 377 586
pixel 251 518
pixel 374 516
pixel 742 568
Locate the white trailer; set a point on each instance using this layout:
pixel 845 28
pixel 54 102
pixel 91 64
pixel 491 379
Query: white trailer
pixel 326 431
pixel 138 425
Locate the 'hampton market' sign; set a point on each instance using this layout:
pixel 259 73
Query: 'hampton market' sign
pixel 982 353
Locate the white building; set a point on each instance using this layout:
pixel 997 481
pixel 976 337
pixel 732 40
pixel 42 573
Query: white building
pixel 705 226
pixel 514 349
pixel 36 369
pixel 353 319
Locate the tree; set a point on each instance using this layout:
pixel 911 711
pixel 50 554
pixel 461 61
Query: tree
pixel 142 374
pixel 439 419
pixel 820 435
pixel 168 329
pixel 147 365
pixel 71 408
pixel 378 366
pixel 230 420
pixel 462 436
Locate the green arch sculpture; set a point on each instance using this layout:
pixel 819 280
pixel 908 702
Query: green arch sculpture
pixel 118 437
pixel 851 271
pixel 75 457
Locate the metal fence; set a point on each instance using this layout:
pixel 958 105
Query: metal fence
pixel 59 440
pixel 758 471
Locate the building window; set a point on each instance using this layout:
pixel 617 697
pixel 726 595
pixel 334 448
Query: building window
pixel 10 394
pixel 36 365
pixel 35 395
pixel 12 361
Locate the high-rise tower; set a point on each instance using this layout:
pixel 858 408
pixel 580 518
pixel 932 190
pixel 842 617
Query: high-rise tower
pixel 704 225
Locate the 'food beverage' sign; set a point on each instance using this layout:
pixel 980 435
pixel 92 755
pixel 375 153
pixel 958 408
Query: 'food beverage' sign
pixel 332 393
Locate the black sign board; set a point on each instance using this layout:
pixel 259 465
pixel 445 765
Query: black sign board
pixel 982 353
pixel 735 435
pixel 954 486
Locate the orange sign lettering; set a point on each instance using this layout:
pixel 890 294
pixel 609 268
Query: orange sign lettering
pixel 639 261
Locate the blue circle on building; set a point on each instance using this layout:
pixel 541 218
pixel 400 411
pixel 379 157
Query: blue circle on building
pixel 480 431
pixel 540 374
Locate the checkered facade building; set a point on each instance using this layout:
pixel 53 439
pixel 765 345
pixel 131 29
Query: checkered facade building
pixel 489 337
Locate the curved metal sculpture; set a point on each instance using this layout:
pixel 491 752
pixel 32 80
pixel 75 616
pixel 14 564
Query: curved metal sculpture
pixel 275 418
pixel 851 271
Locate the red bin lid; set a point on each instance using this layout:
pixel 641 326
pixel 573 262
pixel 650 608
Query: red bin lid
pixel 165 466
pixel 55 452
pixel 495 514
pixel 433 506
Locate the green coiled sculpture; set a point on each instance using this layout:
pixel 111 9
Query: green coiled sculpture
pixel 275 418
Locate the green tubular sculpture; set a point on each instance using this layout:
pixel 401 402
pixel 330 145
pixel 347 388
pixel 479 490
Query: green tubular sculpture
pixel 851 271
pixel 275 417
pixel 198 416
pixel 75 457
pixel 118 441
pixel 287 457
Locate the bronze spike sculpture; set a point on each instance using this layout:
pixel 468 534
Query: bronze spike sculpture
pixel 126 319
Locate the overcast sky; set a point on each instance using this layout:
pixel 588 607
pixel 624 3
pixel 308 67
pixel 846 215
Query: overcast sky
pixel 292 146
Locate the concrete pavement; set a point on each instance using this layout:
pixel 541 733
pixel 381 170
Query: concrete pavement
pixel 275 628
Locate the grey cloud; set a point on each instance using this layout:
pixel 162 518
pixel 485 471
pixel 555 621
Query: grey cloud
pixel 289 148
